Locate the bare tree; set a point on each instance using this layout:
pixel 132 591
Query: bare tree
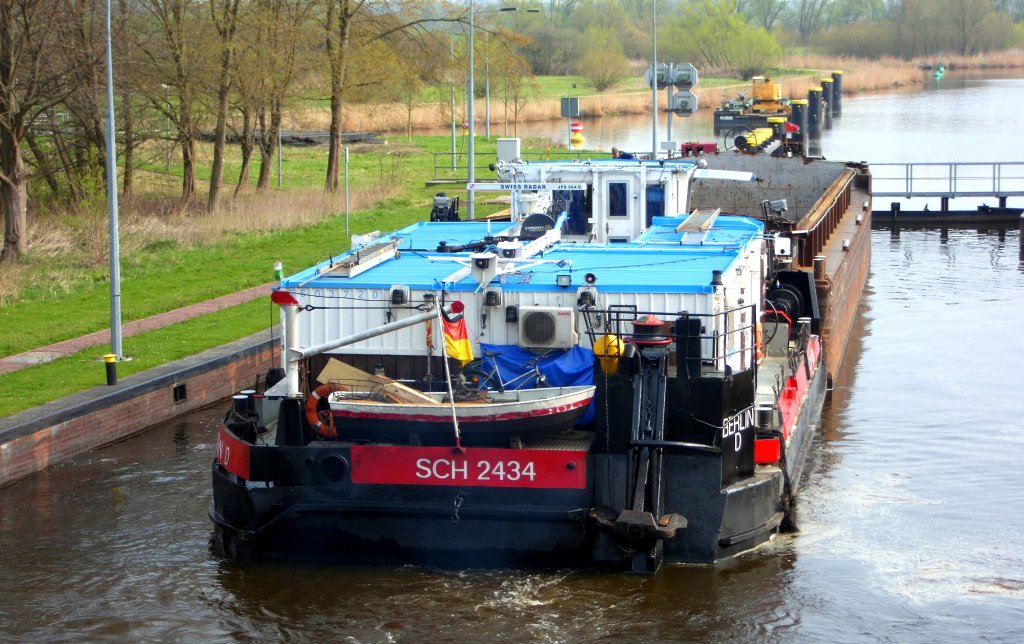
pixel 175 61
pixel 283 39
pixel 34 75
pixel 764 13
pixel 384 21
pixel 812 16
pixel 224 14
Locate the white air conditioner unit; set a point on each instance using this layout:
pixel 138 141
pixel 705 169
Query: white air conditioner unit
pixel 547 327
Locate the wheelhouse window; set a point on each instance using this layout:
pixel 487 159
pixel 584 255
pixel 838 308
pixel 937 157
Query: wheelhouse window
pixel 655 202
pixel 618 199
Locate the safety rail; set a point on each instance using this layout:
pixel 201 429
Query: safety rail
pixel 453 167
pixel 967 179
pixel 717 341
pixel 818 224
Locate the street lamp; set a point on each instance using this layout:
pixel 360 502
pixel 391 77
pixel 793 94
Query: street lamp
pixel 654 81
pixel 470 192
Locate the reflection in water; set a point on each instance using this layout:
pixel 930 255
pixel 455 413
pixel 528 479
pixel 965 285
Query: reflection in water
pixel 682 603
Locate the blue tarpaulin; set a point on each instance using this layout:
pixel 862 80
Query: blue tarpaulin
pixel 561 367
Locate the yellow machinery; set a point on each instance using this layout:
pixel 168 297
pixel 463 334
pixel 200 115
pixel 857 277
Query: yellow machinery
pixel 767 95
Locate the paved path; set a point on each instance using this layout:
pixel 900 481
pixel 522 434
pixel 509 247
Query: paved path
pixel 74 345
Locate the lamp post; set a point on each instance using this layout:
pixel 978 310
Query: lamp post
pixel 452 96
pixel 487 87
pixel 654 83
pixel 112 219
pixel 470 192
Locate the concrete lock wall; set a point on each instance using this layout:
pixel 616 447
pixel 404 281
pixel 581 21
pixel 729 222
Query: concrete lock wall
pixel 37 438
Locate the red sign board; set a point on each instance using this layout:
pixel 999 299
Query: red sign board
pixel 233 453
pixel 475 467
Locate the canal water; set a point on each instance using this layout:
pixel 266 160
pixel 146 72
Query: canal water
pixel 911 521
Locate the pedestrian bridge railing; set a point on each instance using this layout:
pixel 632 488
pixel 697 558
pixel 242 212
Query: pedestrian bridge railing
pixel 1003 179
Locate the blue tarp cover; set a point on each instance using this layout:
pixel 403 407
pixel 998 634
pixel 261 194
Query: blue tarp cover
pixel 562 368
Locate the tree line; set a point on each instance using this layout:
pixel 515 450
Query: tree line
pixel 220 69
pixel 189 69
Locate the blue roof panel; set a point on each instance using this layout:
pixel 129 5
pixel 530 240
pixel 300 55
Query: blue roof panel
pixel 656 262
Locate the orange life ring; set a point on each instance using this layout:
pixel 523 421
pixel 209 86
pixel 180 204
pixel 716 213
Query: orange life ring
pixel 325 429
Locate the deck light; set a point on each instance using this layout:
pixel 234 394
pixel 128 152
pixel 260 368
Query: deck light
pixel 564 280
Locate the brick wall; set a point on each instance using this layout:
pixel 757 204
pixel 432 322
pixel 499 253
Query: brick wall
pixel 33 440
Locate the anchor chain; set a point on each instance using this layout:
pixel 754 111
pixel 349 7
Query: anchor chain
pixel 458 504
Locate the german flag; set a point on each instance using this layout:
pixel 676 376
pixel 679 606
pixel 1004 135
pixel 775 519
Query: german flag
pixel 456 340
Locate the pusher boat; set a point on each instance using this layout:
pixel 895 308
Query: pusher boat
pixel 700 306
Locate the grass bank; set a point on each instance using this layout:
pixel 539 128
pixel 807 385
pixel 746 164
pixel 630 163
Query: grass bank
pixel 171 259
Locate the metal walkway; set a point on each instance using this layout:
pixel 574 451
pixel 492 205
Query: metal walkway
pixel 948 180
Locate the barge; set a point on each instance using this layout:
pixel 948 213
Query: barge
pixel 765 101
pixel 703 305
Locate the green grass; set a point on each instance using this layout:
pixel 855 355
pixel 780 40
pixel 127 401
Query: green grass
pixel 166 275
pixel 35 386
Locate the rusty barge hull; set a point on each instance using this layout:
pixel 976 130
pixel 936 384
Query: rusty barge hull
pixel 830 203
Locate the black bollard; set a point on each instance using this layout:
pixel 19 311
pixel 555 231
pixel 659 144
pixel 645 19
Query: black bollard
pixel 799 118
pixel 837 93
pixel 812 142
pixel 826 103
pixel 110 363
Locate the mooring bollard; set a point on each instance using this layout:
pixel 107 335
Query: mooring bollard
pixel 110 362
pixel 812 141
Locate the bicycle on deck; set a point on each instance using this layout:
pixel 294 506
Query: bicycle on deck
pixel 478 376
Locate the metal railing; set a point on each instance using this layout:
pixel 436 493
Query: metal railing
pixel 1003 179
pixel 454 167
pixel 824 218
pixel 703 341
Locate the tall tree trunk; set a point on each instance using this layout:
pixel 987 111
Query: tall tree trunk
pixel 13 197
pixel 266 152
pixel 268 145
pixel 334 150
pixel 219 143
pixel 339 26
pixel 128 181
pixel 226 25
pixel 66 163
pixel 247 145
pixel 45 171
pixel 188 153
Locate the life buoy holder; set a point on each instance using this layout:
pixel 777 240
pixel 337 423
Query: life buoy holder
pixel 759 342
pixel 314 416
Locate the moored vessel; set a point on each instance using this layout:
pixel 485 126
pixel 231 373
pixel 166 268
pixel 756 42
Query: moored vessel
pixel 700 306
